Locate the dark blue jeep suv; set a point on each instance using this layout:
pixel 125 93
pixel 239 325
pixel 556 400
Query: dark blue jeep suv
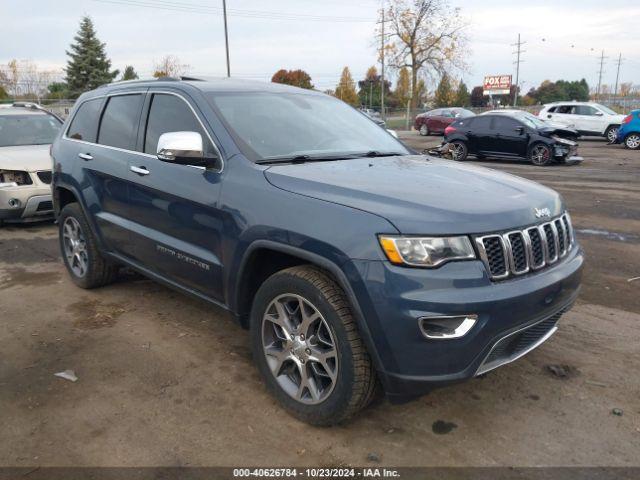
pixel 355 263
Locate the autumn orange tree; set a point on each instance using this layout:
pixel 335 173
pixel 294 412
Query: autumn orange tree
pixel 346 89
pixel 297 78
pixel 425 35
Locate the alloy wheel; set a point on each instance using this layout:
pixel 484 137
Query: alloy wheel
pixel 299 348
pixel 633 141
pixel 424 131
pixel 540 155
pixel 75 247
pixel 612 134
pixel 457 151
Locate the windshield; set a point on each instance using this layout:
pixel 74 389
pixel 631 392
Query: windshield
pixel 18 130
pixel 269 125
pixel 606 110
pixel 463 113
pixel 531 120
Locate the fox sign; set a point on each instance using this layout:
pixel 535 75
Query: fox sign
pixel 497 85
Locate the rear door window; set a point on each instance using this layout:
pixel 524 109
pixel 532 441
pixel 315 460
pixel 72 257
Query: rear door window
pixel 84 125
pixel 119 124
pixel 169 113
pixel 505 124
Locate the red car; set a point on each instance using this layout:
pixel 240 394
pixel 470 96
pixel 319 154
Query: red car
pixel 435 121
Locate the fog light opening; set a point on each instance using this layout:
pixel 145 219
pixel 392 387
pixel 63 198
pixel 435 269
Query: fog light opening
pixel 446 327
pixel 15 203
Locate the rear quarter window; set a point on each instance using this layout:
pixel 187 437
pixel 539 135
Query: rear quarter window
pixel 84 125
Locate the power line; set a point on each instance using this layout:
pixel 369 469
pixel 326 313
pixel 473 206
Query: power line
pixel 518 61
pixel 207 10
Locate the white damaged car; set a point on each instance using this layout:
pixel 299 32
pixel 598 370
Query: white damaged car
pixel 26 132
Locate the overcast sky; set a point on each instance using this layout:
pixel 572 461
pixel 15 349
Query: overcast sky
pixel 564 39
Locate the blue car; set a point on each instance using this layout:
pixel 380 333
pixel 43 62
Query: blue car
pixel 629 132
pixel 355 263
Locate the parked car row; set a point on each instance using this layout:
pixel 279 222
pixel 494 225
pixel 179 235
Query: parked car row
pixel 550 137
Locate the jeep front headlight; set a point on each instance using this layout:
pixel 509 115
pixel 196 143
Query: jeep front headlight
pixel 426 251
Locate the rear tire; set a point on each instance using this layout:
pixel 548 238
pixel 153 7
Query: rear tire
pixel 611 133
pixel 632 141
pixel 307 347
pixel 79 249
pixel 540 154
pixel 459 150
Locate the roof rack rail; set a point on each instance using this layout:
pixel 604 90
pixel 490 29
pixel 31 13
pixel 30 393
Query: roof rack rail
pixel 35 106
pixel 145 80
pixel 32 105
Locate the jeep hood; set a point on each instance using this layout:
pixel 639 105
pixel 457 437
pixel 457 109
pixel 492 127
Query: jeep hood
pixel 421 195
pixel 29 158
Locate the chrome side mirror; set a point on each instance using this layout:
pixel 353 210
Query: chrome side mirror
pixel 182 148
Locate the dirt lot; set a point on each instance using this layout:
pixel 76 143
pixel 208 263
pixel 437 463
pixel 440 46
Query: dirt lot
pixel 166 380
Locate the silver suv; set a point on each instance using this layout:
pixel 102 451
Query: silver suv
pixel 26 131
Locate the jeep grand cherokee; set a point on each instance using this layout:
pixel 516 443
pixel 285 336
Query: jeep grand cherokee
pixel 354 262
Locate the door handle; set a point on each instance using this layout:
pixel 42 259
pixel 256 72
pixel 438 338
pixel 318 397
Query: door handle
pixel 140 170
pixel 85 156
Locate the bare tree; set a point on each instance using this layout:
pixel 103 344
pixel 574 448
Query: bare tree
pixel 170 66
pixel 425 34
pixel 23 79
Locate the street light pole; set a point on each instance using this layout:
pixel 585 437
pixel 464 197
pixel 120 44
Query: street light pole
pixel 226 35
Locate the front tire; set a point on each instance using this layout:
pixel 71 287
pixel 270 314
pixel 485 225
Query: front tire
pixel 540 154
pixel 79 248
pixel 632 141
pixel 424 130
pixel 308 349
pixel 611 134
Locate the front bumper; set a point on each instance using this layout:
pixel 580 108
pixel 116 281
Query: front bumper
pixel 25 202
pixel 392 299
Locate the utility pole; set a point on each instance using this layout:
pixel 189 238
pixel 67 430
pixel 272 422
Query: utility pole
pixel 602 58
pixel 382 66
pixel 226 35
pixel 517 63
pixel 615 91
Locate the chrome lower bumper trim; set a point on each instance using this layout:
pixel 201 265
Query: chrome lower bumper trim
pixel 31 209
pixel 486 367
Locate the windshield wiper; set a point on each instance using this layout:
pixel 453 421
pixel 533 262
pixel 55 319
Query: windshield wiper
pixel 326 158
pixel 294 159
pixel 375 153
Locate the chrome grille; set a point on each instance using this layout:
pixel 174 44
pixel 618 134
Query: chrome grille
pixel 520 251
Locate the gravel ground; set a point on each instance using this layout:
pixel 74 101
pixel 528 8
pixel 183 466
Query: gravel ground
pixel 166 380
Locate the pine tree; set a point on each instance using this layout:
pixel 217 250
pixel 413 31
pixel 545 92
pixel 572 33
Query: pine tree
pixel 444 92
pixel 88 66
pixel 346 89
pixel 129 73
pixel 463 97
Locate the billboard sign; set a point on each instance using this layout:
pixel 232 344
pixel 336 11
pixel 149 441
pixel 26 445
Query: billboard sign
pixel 497 85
